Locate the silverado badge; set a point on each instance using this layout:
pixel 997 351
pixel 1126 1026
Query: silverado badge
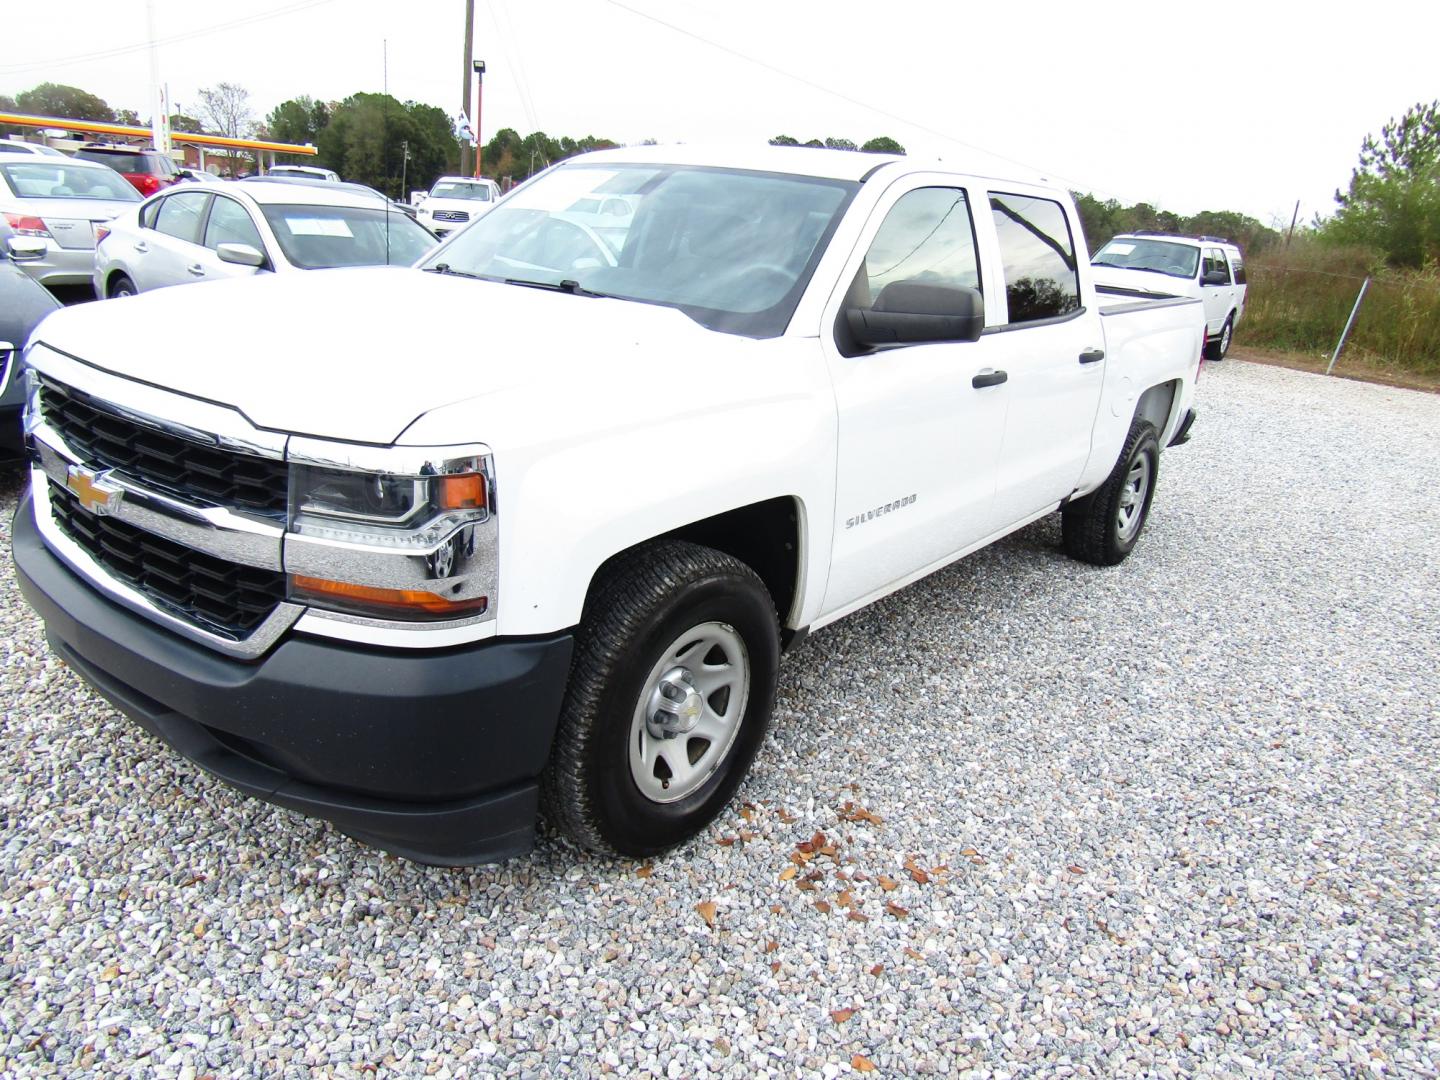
pixel 96 492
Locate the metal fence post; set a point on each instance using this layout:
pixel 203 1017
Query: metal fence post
pixel 1348 324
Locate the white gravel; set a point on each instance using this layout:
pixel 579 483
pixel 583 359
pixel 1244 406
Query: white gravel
pixel 1177 818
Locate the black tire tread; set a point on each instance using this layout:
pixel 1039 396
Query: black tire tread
pixel 1085 524
pixel 630 588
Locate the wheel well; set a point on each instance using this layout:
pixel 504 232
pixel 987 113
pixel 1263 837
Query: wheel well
pixel 764 535
pixel 1156 404
pixel 111 278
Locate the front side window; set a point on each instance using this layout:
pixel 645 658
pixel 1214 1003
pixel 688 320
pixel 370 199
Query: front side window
pixel 230 224
pixel 1215 260
pixel 180 215
pixel 1041 279
pixel 731 249
pixel 926 238
pixel 36 178
pixel 316 237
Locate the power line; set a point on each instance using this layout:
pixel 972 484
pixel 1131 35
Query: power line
pixel 831 90
pixel 189 35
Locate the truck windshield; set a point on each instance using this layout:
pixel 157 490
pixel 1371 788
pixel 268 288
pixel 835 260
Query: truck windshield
pixel 1157 256
pixel 731 249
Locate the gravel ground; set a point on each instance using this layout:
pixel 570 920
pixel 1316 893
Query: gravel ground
pixel 1177 818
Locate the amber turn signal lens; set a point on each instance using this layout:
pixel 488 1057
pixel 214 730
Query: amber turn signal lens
pixel 462 492
pixel 416 601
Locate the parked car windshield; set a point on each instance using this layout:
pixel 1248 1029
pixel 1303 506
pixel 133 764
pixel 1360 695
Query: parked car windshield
pixel 1157 256
pixel 317 237
pixel 38 179
pixel 478 192
pixel 731 249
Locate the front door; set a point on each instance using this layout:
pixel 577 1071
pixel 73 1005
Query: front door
pixel 919 426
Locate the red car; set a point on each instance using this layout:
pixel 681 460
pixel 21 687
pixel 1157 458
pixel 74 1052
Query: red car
pixel 147 170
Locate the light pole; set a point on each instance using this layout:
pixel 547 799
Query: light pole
pixel 479 104
pixel 465 94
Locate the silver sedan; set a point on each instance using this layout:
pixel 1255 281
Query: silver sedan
pixel 61 203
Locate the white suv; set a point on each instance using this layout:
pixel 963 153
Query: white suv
pixel 455 201
pixel 1206 268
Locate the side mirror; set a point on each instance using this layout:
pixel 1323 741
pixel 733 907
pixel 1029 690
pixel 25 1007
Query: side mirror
pixel 240 255
pixel 25 248
pixel 1215 277
pixel 911 312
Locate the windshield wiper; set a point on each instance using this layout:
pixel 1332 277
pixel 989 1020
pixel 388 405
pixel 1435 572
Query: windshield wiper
pixel 446 268
pixel 565 285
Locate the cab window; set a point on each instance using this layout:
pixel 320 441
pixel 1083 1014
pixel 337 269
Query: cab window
pixel 1041 279
pixel 926 237
pixel 180 215
pixel 1215 260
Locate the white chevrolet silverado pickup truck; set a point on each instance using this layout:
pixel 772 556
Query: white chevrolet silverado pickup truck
pixel 418 576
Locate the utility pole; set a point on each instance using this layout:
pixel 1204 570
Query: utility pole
pixel 465 97
pixel 479 104
pixel 1293 218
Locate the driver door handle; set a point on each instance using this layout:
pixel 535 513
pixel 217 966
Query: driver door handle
pixel 141 246
pixel 988 378
pixel 196 269
pixel 1092 356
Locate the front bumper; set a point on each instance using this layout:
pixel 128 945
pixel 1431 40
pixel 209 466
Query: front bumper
pixel 433 756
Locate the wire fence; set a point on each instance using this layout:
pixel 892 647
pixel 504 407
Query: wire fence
pixel 1303 309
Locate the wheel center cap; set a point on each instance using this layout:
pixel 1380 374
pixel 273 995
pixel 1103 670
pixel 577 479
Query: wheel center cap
pixel 675 705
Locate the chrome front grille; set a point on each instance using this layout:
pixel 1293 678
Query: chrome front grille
pixel 223 597
pixel 452 215
pixel 105 438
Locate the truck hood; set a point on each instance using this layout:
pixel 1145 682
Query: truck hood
pixel 1144 281
pixel 359 354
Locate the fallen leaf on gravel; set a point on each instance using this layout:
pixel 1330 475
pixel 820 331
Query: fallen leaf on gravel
pixel 110 973
pixel 878 970
pixel 800 858
pixel 775 966
pixel 200 929
pixel 776 909
pixel 646 871
pixel 746 837
pixel 851 812
pixel 805 886
pixel 914 954
pixel 1076 869
pixel 787 873
pixel 920 876
pixel 815 875
pixel 787 817
pixel 841 1015
pixel 747 812
pixel 967 852
pixel 898 911
pixel 860 1063
pixel 829 851
pixel 726 841
pixel 888 884
pixel 822 906
pixel 856 916
pixel 707 912
pixel 771 946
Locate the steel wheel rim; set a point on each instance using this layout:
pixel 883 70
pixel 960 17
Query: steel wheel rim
pixel 669 767
pixel 1132 499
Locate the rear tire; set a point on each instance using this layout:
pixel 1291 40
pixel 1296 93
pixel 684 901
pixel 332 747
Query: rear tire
pixel 670 693
pixel 1216 350
pixel 1103 527
pixel 120 286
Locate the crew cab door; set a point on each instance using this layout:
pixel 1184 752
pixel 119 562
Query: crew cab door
pixel 1219 298
pixel 919 426
pixel 1052 349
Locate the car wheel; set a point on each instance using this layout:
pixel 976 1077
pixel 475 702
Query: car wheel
pixel 121 285
pixel 670 695
pixel 1103 527
pixel 1216 350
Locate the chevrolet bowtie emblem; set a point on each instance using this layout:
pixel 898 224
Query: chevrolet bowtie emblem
pixel 96 491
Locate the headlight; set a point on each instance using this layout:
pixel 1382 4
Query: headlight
pixel 402 533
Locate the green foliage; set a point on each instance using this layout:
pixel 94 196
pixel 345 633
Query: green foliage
pixel 70 102
pixel 181 122
pixel 1298 300
pixel 365 139
pixel 1102 220
pixel 127 116
pixel 299 120
pixel 510 154
pixel 1393 203
pixel 7 104
pixel 881 144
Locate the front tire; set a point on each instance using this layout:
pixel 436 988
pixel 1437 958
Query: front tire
pixel 1103 527
pixel 121 286
pixel 670 694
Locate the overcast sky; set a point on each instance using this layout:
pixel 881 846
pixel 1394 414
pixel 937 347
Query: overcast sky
pixel 1190 107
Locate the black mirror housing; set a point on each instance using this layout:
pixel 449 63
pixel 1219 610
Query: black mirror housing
pixel 913 313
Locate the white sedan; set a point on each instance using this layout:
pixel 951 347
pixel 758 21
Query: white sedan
pixel 64 206
pixel 193 233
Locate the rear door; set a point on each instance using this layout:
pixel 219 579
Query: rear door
pixel 167 252
pixel 1050 347
pixel 1219 299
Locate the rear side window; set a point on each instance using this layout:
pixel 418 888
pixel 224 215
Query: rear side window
pixel 180 215
pixel 230 224
pixel 1041 280
pixel 1238 265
